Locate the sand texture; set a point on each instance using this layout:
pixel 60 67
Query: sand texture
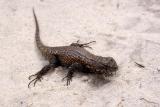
pixel 127 30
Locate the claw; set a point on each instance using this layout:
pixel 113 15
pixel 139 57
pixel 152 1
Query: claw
pixel 34 80
pixel 88 43
pixel 69 79
pixel 31 76
pixel 31 82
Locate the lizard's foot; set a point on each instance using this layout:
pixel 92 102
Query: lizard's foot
pixel 68 77
pixel 82 45
pixel 38 75
pixel 38 78
pixel 72 69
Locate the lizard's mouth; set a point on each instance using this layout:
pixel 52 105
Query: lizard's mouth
pixel 110 72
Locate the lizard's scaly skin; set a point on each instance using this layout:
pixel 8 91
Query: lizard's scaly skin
pixel 75 53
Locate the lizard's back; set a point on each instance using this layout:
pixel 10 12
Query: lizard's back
pixel 68 55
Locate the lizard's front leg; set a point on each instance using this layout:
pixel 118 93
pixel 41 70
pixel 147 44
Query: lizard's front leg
pixel 82 45
pixel 42 72
pixel 72 69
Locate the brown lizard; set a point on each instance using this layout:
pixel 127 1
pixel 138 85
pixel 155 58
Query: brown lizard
pixel 74 57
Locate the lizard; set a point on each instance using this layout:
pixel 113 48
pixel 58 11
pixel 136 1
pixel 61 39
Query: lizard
pixel 74 57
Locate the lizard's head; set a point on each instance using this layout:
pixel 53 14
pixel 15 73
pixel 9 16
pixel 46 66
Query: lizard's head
pixel 108 66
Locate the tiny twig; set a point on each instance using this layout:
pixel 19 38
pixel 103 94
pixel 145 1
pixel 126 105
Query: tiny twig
pixel 148 101
pixel 139 65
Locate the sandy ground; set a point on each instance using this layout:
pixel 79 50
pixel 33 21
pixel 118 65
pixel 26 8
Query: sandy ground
pixel 128 30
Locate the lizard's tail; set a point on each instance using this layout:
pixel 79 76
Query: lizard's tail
pixel 39 43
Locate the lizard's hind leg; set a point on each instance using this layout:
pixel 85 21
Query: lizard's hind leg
pixel 82 45
pixel 38 75
pixel 42 72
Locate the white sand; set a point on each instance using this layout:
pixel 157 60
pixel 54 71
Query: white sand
pixel 128 30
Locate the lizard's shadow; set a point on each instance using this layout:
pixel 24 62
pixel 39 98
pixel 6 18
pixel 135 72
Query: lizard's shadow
pixel 94 80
